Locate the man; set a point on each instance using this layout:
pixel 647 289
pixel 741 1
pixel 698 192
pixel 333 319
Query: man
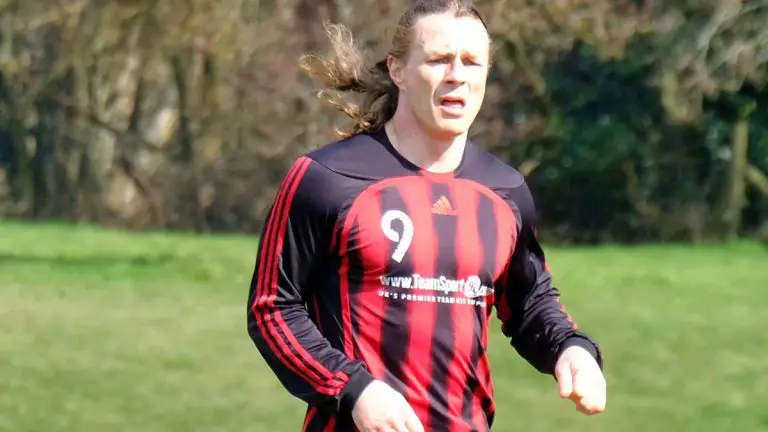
pixel 385 252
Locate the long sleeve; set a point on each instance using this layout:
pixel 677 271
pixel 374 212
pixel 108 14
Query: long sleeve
pixel 529 305
pixel 296 234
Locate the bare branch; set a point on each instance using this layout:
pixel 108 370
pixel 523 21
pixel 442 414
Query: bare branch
pixel 52 16
pixel 758 179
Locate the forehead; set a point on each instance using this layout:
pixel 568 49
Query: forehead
pixel 446 32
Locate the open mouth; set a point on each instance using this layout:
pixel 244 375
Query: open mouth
pixel 452 102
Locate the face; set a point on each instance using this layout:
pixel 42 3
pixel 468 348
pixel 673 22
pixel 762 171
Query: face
pixel 442 79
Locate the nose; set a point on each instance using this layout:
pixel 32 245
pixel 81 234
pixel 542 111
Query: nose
pixel 456 71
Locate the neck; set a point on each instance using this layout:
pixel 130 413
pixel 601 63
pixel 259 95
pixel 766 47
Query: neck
pixel 433 154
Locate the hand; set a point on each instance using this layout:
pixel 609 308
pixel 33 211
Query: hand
pixel 580 379
pixel 382 409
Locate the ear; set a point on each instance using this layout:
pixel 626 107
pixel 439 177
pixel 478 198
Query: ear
pixel 396 69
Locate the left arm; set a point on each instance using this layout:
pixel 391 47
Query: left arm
pixel 529 305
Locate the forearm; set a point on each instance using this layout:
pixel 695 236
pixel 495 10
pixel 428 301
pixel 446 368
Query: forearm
pixel 302 358
pixel 544 330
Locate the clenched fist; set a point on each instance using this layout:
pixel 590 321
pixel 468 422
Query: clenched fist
pixel 380 408
pixel 580 379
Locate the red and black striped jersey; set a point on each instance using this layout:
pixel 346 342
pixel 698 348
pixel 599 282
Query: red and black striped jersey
pixel 371 268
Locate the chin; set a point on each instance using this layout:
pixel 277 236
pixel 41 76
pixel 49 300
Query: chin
pixel 445 128
pixel 451 128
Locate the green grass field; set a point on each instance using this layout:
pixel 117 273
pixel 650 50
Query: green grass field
pixel 111 331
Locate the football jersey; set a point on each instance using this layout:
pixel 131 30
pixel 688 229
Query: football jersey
pixel 371 268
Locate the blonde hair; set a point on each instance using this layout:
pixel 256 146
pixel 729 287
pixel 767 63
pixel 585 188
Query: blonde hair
pixel 345 70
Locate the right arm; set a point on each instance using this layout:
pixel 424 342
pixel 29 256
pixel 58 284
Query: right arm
pixel 297 231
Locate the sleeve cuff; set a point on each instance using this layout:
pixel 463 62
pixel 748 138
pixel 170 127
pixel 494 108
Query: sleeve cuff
pixel 358 381
pixel 585 343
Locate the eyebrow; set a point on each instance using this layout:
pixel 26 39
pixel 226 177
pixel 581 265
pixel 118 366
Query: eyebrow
pixel 444 53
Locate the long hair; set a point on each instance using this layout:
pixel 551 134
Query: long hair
pixel 344 69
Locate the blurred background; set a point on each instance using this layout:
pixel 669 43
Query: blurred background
pixel 142 141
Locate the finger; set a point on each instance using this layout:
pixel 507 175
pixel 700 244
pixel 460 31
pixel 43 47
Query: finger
pixel 584 409
pixel 590 383
pixel 412 422
pixel 590 408
pixel 603 400
pixel 584 403
pixel 592 402
pixel 582 389
pixel 583 383
pixel 398 425
pixel 598 397
pixel 565 381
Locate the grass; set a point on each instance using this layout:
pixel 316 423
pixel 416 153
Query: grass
pixel 108 330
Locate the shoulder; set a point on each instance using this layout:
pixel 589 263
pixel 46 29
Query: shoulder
pixel 503 178
pixel 329 177
pixel 364 156
pixel 307 188
pixel 486 168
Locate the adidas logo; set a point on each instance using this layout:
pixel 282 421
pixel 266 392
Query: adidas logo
pixel 443 207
